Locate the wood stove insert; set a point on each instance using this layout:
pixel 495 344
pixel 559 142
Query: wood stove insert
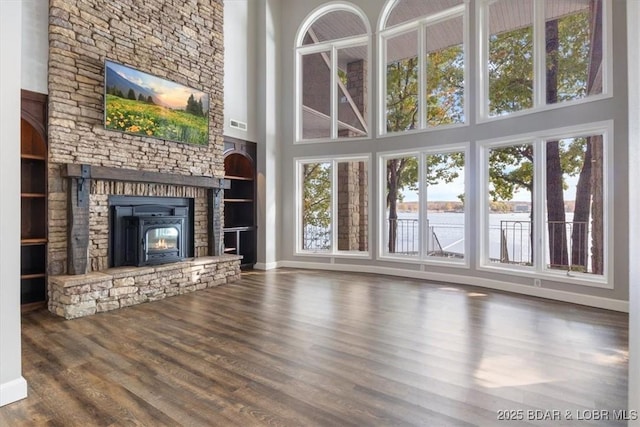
pixel 150 230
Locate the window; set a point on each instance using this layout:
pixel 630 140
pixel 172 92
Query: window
pixel 575 232
pixel 423 210
pixel 545 209
pixel 334 206
pixel 511 191
pixel 402 210
pixel 333 75
pixel 422 65
pixel 540 52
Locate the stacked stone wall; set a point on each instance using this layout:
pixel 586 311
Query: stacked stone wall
pixel 177 40
pixel 181 41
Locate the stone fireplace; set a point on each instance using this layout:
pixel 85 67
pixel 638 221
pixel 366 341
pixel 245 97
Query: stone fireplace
pixel 169 248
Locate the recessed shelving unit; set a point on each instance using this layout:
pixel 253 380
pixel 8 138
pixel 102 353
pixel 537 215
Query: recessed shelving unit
pixel 239 201
pixel 33 230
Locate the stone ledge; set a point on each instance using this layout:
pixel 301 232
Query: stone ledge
pixel 87 294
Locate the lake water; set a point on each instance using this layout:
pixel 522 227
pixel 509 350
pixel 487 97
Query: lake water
pixel 448 231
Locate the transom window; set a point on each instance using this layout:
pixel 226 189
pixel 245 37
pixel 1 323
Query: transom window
pixel 333 75
pixel 422 62
pixel 540 52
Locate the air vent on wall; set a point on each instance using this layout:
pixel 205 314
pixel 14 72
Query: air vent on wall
pixel 236 124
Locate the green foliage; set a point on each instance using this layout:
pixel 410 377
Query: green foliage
pixel 316 185
pixel 572 56
pixel 153 120
pixel 131 95
pixel 444 168
pixel 401 173
pixel 510 170
pixel 402 95
pixel 445 86
pixel 511 71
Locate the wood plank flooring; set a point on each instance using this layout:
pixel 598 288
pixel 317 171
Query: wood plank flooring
pixel 313 348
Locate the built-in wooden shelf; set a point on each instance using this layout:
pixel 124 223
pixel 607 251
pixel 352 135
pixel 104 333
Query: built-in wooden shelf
pixel 32 276
pixel 237 200
pixel 33 205
pixel 238 178
pixel 33 156
pixel 27 242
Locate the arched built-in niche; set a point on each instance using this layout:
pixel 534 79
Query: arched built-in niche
pixel 239 202
pixel 34 210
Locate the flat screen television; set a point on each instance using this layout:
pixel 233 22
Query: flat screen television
pixel 142 104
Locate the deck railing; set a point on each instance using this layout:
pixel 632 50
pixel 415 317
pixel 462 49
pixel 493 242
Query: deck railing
pixel 442 239
pixel 516 245
pixel 568 244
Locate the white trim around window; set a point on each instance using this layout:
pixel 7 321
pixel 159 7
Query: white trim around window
pixel 330 50
pixel 332 251
pixel 419 25
pixel 539 63
pixel 421 256
pixel 539 270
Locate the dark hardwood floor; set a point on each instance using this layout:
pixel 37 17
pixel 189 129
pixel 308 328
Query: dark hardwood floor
pixel 310 348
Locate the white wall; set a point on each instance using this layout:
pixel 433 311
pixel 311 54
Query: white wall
pixel 633 30
pixel 12 386
pixel 240 68
pixel 35 45
pixel 269 72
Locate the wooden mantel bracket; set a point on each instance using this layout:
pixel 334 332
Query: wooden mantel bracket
pixel 73 170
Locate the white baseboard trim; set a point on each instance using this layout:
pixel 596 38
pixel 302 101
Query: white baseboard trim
pixel 570 297
pixel 13 391
pixel 266 266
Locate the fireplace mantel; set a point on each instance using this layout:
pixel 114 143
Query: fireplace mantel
pixel 74 170
pixel 80 177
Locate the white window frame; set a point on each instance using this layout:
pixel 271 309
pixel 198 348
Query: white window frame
pixel 332 47
pixel 539 63
pixel 422 257
pixel 419 25
pixel 299 162
pixel 539 270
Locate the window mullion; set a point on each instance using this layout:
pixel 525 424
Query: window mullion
pixel 482 48
pixel 382 85
pixel 334 92
pixel 539 55
pixel 334 206
pixel 422 75
pixel 540 238
pixel 423 226
pixel 298 95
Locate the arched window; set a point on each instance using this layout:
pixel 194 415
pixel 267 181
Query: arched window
pixel 422 64
pixel 332 72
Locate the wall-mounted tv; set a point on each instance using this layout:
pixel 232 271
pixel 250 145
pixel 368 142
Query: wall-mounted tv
pixel 141 104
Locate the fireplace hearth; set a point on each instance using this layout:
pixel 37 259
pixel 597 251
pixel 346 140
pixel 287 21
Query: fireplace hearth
pixel 150 230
